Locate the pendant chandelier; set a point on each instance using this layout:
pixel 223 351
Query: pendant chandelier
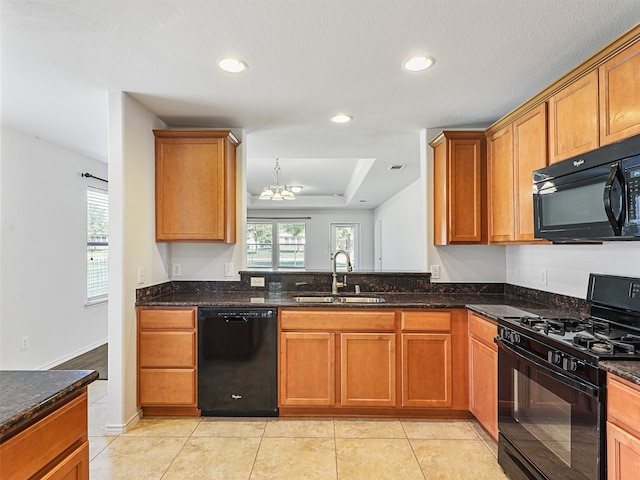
pixel 278 192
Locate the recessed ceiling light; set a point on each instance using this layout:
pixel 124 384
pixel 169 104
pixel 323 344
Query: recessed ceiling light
pixel 232 65
pixel 341 118
pixel 295 188
pixel 416 64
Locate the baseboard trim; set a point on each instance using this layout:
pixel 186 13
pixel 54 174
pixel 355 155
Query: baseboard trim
pixel 120 428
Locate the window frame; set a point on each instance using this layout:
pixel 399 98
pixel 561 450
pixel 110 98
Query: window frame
pixel 276 261
pixel 103 296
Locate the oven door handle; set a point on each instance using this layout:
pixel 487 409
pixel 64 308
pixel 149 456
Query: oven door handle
pixel 583 387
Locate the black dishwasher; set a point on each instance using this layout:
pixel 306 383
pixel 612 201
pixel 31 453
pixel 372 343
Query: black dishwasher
pixel 238 361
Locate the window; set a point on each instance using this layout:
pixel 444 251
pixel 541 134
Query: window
pixel 276 245
pixel 344 236
pixel 97 245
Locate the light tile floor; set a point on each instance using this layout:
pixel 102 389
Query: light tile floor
pixel 281 448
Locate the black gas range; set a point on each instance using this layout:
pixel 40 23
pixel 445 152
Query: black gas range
pixel 551 393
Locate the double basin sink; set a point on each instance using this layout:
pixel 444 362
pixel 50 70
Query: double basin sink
pixel 355 298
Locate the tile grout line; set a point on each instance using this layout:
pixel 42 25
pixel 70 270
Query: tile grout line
pixel 413 450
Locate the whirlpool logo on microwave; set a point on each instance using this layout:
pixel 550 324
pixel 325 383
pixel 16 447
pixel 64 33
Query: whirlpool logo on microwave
pixel 577 163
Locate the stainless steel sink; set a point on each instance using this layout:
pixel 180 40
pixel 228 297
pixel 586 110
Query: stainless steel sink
pixel 313 299
pixel 338 299
pixel 359 299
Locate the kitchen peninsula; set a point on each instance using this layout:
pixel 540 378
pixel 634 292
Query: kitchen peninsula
pixel 43 424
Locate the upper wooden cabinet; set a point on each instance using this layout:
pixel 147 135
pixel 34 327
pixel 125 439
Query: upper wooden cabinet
pixel 500 153
pixel 195 186
pixel 514 152
pixel 529 154
pixel 573 119
pixel 620 96
pixel 459 187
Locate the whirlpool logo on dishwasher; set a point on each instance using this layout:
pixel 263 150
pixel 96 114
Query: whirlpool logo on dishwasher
pixel 236 397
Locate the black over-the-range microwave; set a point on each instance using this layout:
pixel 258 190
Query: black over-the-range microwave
pixel 591 197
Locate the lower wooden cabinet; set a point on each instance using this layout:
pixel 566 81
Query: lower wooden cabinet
pixel 167 358
pixel 56 447
pixel 307 368
pixel 368 369
pixel 623 424
pixel 426 370
pixel 483 372
pixel 380 362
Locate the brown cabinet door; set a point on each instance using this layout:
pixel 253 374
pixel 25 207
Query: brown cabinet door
pixel 458 187
pixel 307 368
pixel 368 369
pixel 620 96
pixel 483 383
pixel 440 195
pixel 500 183
pixel 426 370
pixel 573 119
pixel 465 195
pixel 623 454
pixel 529 154
pixel 195 186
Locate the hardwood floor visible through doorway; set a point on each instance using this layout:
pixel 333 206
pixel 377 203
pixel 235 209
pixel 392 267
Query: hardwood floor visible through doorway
pixel 96 359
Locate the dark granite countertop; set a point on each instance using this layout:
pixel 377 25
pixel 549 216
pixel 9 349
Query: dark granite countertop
pixel 627 369
pixel 391 300
pixel 26 395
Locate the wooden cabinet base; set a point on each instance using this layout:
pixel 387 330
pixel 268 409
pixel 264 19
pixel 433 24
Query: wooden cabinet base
pixel 170 411
pixel 380 412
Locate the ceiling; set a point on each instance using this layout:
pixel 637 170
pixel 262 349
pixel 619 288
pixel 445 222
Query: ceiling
pixel 308 59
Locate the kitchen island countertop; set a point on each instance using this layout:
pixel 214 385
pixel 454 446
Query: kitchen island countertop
pixel 26 395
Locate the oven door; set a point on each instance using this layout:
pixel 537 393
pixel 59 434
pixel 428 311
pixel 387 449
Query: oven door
pixel 550 423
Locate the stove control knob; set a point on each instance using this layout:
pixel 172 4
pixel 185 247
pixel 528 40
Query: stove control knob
pixel 569 364
pixel 554 357
pixel 514 337
pixel 505 334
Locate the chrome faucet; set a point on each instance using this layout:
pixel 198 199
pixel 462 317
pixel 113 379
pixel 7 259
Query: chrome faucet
pixel 335 283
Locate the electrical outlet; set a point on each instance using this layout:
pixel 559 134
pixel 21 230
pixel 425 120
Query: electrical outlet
pixel 435 271
pixel 228 269
pixel 257 281
pixel 543 276
pixel 176 270
pixel 140 275
pixel 24 343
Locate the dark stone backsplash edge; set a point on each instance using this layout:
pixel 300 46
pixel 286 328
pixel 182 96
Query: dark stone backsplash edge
pixel 378 282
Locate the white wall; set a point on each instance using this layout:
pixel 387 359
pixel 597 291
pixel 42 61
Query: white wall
pixel 568 266
pixel 402 234
pixel 318 234
pixel 132 233
pixel 43 254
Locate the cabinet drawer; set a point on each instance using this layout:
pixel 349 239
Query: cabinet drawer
pixel 32 449
pixel 167 386
pixel 343 320
pixel 483 330
pixel 623 400
pixel 426 321
pixel 167 349
pixel 165 318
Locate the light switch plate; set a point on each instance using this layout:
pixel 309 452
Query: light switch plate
pixel 435 271
pixel 257 281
